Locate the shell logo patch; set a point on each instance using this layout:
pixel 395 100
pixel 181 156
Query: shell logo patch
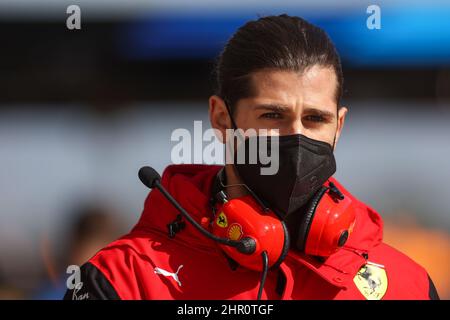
pixel 371 280
pixel 235 232
pixel 222 220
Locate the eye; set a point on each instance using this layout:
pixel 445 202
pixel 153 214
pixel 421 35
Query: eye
pixel 314 118
pixel 271 115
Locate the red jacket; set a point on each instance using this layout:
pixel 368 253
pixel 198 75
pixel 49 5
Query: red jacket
pixel 147 264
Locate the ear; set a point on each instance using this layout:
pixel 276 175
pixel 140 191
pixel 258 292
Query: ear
pixel 342 113
pixel 219 117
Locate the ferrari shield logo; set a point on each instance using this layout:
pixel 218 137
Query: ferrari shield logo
pixel 371 280
pixel 222 220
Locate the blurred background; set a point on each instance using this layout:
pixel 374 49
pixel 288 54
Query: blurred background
pixel 82 110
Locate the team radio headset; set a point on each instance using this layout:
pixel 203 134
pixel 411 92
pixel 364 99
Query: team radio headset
pixel 253 235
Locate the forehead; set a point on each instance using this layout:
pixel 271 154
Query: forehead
pixel 314 86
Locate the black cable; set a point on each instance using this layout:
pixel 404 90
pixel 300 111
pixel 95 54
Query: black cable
pixel 169 197
pixel 246 245
pixel 265 260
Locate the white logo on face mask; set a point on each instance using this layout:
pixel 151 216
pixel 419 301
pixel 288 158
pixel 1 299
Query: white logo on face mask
pixel 169 274
pixel 191 147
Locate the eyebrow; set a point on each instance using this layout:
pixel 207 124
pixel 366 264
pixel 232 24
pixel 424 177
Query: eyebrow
pixel 285 108
pixel 272 107
pixel 319 112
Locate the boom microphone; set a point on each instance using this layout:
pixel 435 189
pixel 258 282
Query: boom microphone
pixel 152 179
pixel 149 176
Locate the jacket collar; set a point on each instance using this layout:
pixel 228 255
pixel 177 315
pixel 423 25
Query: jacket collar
pixel 340 268
pixel 193 185
pixel 190 185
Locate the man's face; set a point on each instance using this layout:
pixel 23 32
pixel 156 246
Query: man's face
pixel 288 101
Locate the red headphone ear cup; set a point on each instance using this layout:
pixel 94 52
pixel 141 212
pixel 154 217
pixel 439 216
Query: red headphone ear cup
pixel 308 217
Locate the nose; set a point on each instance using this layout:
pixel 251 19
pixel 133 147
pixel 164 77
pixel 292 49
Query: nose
pixel 295 126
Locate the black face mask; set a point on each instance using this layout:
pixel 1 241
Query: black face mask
pixel 304 166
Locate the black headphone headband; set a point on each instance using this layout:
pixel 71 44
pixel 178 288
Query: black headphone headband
pixel 307 219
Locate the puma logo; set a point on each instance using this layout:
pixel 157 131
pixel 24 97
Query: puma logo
pixel 169 274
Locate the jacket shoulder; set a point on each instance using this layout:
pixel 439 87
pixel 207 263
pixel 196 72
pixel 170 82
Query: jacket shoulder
pixel 122 261
pixel 406 278
pixel 104 275
pixel 129 263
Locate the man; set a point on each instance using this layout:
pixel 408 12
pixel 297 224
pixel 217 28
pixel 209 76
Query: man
pixel 282 74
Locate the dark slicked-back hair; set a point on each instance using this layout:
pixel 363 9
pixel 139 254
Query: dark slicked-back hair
pixel 281 42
